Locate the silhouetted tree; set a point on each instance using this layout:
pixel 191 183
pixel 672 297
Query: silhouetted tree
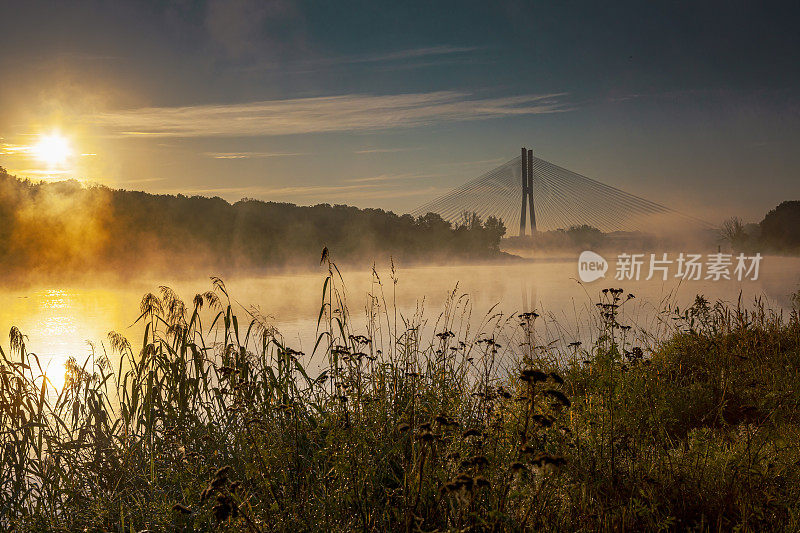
pixel 56 227
pixel 585 236
pixel 732 232
pixel 781 226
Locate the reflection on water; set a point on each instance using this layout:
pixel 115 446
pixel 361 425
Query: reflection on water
pixel 61 322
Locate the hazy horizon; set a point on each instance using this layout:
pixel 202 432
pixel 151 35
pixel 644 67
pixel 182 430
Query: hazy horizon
pixel 386 105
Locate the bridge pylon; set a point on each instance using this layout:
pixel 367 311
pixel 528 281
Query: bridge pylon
pixel 563 199
pixel 527 192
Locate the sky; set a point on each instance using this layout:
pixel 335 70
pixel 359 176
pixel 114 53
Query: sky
pixel 694 105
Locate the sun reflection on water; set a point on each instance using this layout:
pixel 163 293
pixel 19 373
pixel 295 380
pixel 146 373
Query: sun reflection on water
pixel 61 323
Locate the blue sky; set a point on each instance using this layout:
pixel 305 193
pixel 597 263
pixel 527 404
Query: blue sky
pixel 387 104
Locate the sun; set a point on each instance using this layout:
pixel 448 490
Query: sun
pixel 53 149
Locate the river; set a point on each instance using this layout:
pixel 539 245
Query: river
pixel 60 321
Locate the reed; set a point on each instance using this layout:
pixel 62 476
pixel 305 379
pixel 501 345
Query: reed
pixel 218 425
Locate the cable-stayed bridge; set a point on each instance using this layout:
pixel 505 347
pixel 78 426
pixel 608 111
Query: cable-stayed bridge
pixel 529 191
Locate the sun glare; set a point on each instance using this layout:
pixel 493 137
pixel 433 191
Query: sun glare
pixel 53 149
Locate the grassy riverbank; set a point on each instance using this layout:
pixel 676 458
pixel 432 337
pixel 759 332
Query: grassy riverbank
pixel 217 426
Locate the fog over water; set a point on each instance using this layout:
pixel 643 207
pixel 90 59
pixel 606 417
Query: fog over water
pixel 60 320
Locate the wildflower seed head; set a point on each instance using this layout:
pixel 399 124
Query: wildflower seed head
pixel 559 396
pixel 465 480
pixel 224 508
pixel 533 376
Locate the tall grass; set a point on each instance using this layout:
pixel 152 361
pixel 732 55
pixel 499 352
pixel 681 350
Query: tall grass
pixel 218 426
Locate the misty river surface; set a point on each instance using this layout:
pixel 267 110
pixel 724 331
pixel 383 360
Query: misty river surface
pixel 61 321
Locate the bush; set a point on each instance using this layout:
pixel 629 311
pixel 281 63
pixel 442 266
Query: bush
pixel 225 429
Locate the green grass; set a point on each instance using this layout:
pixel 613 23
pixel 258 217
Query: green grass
pixel 218 426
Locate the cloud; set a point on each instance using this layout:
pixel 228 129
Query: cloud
pixel 433 63
pixel 142 180
pixel 384 150
pixel 392 177
pixel 479 162
pixel 40 172
pixel 406 59
pixel 411 53
pixel 318 193
pixel 251 155
pixel 351 112
pixel 399 56
pixel 15 149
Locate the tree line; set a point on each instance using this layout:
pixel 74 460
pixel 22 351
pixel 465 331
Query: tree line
pixel 779 231
pixel 59 227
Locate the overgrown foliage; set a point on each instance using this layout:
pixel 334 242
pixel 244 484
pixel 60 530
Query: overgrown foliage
pixel 65 229
pixel 780 229
pixel 220 427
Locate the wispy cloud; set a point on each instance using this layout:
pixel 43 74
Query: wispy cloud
pixel 392 177
pixel 25 150
pixel 411 53
pixel 406 58
pixel 40 172
pixel 384 150
pixel 15 149
pixel 479 162
pixel 318 193
pixel 141 180
pixel 251 155
pixel 431 64
pixel 352 112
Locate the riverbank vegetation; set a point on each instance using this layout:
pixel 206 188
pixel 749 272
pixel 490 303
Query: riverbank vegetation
pixel 212 423
pixel 65 229
pixel 778 233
